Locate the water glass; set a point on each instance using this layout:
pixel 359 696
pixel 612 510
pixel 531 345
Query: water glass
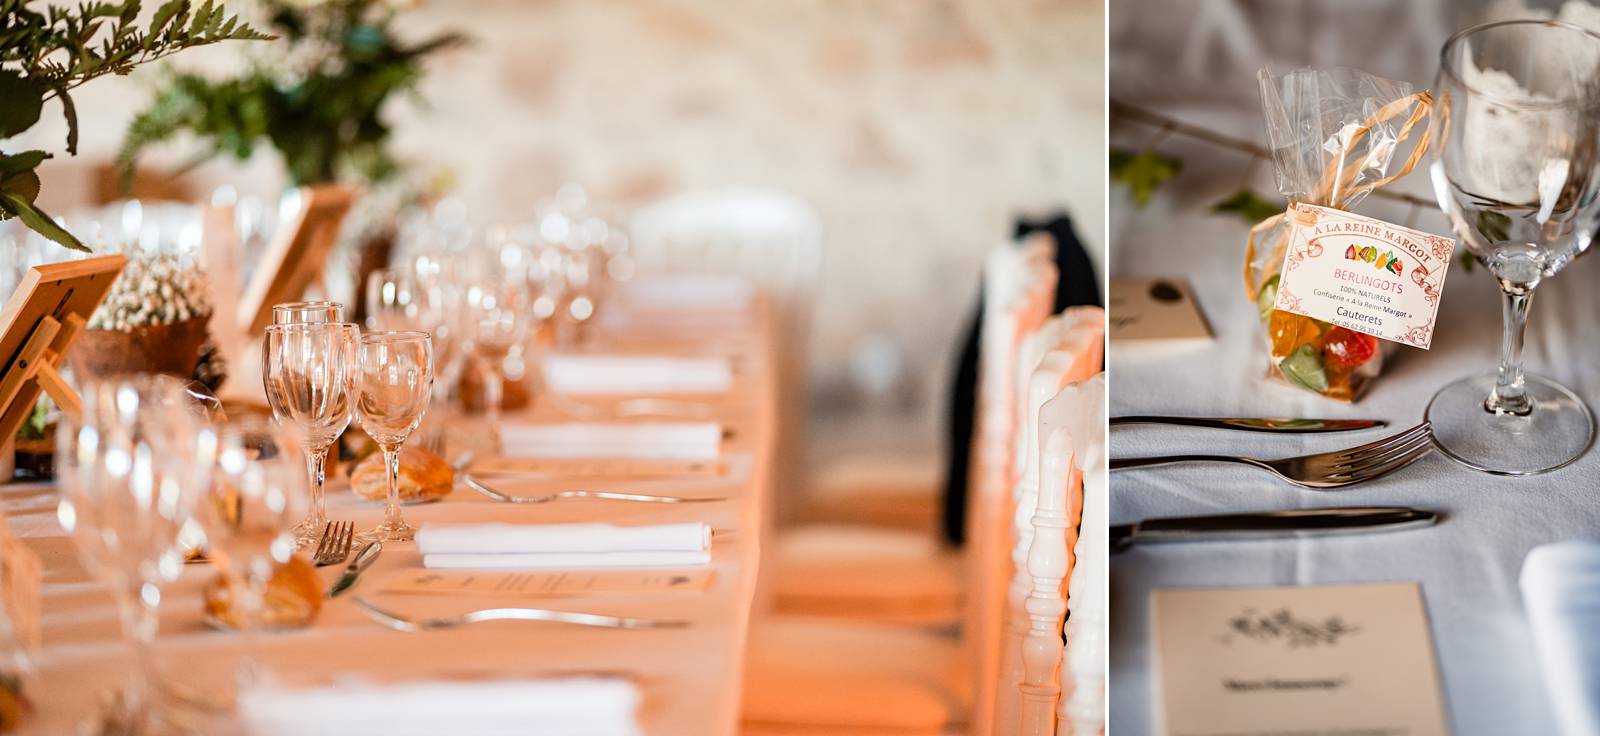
pixel 396 383
pixel 312 374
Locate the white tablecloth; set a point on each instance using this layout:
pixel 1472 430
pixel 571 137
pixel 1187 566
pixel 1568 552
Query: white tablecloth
pixel 1468 565
pixel 689 677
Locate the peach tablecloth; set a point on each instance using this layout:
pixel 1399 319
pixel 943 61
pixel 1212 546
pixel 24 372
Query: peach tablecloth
pixel 689 678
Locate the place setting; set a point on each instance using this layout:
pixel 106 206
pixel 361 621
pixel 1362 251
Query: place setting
pixel 1259 598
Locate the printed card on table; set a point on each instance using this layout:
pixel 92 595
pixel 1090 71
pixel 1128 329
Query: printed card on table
pixel 1311 661
pixel 1363 274
pixel 541 583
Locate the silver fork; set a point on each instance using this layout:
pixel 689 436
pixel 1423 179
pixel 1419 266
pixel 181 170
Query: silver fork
pixel 605 495
pixel 1323 470
pixel 335 544
pixel 399 622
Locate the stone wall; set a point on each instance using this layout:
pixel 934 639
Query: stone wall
pixel 918 128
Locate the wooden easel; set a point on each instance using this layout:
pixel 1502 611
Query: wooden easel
pixel 48 311
pixel 296 258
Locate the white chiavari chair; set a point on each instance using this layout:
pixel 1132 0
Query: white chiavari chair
pixel 1076 353
pixel 1081 708
pixel 992 472
pixel 1068 522
pixel 903 680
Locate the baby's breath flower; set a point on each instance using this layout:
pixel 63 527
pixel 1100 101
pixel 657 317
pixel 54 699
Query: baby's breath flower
pixel 153 290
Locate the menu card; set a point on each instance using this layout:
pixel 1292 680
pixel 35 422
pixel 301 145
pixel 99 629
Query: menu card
pixel 541 583
pixel 1312 661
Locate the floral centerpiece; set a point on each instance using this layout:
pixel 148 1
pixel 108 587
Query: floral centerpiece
pixel 153 321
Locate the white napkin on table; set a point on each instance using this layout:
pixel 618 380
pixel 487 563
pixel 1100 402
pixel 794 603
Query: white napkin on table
pixel 550 546
pixel 720 293
pixel 589 706
pixel 1561 592
pixel 636 374
pixel 637 441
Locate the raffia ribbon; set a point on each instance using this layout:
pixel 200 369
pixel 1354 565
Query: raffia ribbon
pixel 1335 189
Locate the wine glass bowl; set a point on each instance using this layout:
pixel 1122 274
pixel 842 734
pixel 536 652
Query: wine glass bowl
pixel 396 384
pixel 312 376
pixel 497 312
pixel 1516 141
pixel 309 312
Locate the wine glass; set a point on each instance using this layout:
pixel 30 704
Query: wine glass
pixel 256 492
pixel 497 311
pixel 396 382
pixel 312 374
pixel 1516 133
pixel 397 300
pixel 300 313
pixel 130 468
pixel 424 301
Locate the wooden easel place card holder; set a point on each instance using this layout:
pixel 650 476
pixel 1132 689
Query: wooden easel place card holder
pixel 46 313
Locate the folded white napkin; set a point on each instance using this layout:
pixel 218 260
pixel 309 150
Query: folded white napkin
pixel 1561 592
pixel 524 538
pixel 577 706
pixel 641 374
pixel 636 441
pixel 722 293
pixel 564 560
pixel 563 546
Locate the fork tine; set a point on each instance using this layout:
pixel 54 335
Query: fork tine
pixel 341 544
pixel 1385 454
pixel 323 544
pixel 349 538
pixel 1393 464
pixel 1357 452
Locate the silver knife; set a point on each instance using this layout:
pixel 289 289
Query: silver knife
pixel 1284 426
pixel 1271 525
pixel 363 560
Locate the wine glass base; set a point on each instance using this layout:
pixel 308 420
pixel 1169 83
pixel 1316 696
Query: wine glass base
pixel 1558 431
pixel 397 532
pixel 307 534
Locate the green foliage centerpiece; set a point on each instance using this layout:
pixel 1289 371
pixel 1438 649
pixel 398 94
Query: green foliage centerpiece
pixel 47 52
pixel 317 99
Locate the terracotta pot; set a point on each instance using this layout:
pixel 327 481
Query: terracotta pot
pixel 172 348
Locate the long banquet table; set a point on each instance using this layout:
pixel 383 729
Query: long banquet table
pixel 689 678
pixel 1468 565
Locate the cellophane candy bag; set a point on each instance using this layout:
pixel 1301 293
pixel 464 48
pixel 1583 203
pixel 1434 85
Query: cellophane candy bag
pixel 1333 135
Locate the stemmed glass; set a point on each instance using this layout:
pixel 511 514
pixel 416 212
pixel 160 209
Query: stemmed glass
pixel 396 382
pixel 312 374
pixel 497 311
pixel 424 301
pixel 301 313
pixel 257 490
pixel 130 469
pixel 1516 130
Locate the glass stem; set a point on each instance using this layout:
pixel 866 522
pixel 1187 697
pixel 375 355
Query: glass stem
pixel 391 468
pixel 493 396
pixel 253 591
pixel 139 625
pixel 316 469
pixel 1510 393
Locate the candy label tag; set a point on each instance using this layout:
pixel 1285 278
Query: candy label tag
pixel 1363 274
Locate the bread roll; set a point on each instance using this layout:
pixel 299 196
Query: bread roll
pixel 424 477
pixel 293 597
